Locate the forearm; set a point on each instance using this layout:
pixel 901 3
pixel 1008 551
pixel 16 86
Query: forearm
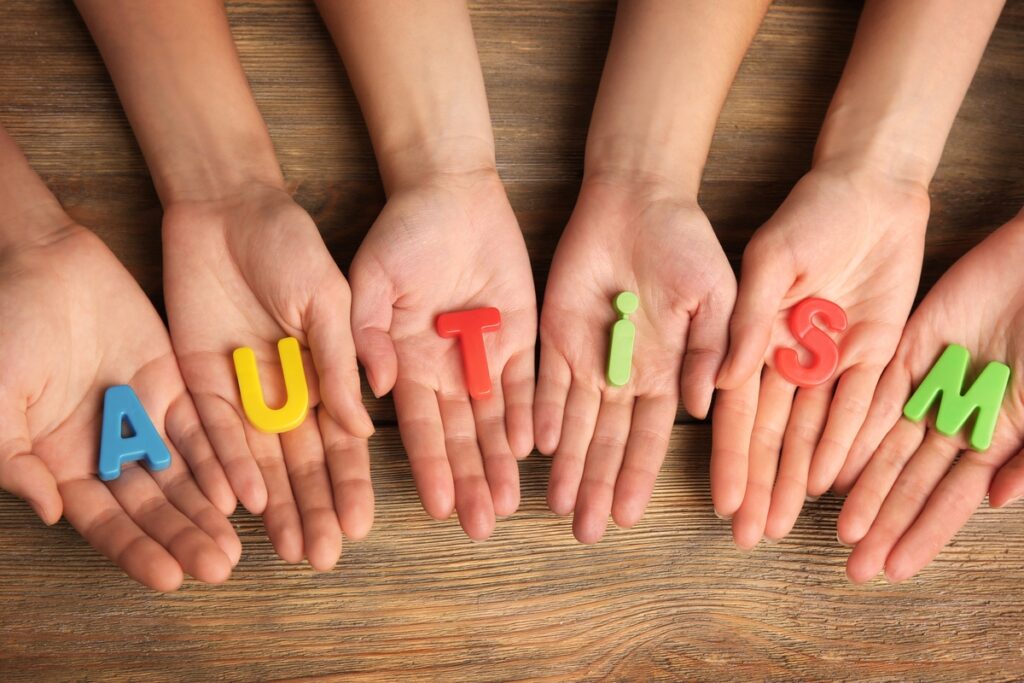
pixel 911 64
pixel 181 83
pixel 415 70
pixel 28 210
pixel 666 77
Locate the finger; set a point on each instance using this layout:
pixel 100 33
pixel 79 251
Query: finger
pixel 186 433
pixel 884 412
pixel 706 344
pixel 948 508
pixel 929 464
pixel 227 435
pixel 93 511
pixel 372 301
pixel 581 409
pixel 310 482
pixel 281 516
pixel 419 423
pixel 773 407
pixel 198 554
pixel 329 332
pixel 518 384
pixel 181 490
pixel 500 466
pixel 845 419
pixel 22 472
pixel 472 495
pixel 731 424
pixel 601 469
pixel 1008 485
pixel 649 433
pixel 867 496
pixel 810 410
pixel 764 281
pixel 552 391
pixel 348 461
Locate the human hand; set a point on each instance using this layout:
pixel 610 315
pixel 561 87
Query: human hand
pixel 915 487
pixel 450 243
pixel 248 270
pixel 609 442
pixel 853 239
pixel 76 323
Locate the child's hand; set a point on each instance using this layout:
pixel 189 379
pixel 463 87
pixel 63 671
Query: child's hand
pixel 908 502
pixel 858 241
pixel 248 271
pixel 74 324
pixel 609 442
pixel 449 244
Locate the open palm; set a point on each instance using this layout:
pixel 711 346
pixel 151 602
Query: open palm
pixel 248 271
pixel 76 323
pixel 910 498
pixel 857 242
pixel 609 442
pixel 451 245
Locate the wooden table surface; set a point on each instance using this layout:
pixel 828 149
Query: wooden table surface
pixel 671 598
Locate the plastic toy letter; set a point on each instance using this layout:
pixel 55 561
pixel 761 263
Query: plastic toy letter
pixel 121 405
pixel 469 327
pixel 947 378
pixel 620 347
pixel 822 348
pixel 293 412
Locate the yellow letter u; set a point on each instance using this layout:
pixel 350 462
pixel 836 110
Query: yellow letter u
pixel 293 412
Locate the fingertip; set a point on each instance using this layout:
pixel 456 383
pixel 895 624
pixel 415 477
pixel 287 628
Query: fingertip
pixel 627 513
pixel 224 500
pixel 850 528
pixel 439 504
pixel 324 551
pixel 49 510
pixel 588 529
pixel 213 566
pixel 778 527
pixel 506 500
pixel 726 500
pixel 898 568
pixel 478 524
pixel 253 495
pixel 547 439
pixel 167 580
pixel 560 500
pixel 697 402
pixel 746 536
pixel 356 527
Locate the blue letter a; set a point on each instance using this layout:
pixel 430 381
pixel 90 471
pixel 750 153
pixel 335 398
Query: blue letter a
pixel 121 405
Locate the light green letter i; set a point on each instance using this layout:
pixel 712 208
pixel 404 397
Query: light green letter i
pixel 620 348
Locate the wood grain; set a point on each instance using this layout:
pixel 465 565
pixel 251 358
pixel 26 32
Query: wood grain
pixel 417 600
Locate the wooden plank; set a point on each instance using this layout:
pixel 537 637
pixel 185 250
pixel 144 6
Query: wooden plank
pixel 671 598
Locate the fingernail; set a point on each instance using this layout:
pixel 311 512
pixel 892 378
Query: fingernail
pixel 720 515
pixel 811 499
pixel 770 541
pixel 842 543
pixel 1009 503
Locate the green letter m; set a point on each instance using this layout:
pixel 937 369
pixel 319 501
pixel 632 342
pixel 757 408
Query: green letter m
pixel 947 377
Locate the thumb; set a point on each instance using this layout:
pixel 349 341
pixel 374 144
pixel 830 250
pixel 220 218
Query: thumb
pixel 765 278
pixel 706 342
pixel 23 473
pixel 329 333
pixel 372 305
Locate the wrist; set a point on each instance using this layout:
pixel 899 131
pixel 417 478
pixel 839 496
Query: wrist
pixel 204 168
pixel 458 158
pixel 875 141
pixel 647 166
